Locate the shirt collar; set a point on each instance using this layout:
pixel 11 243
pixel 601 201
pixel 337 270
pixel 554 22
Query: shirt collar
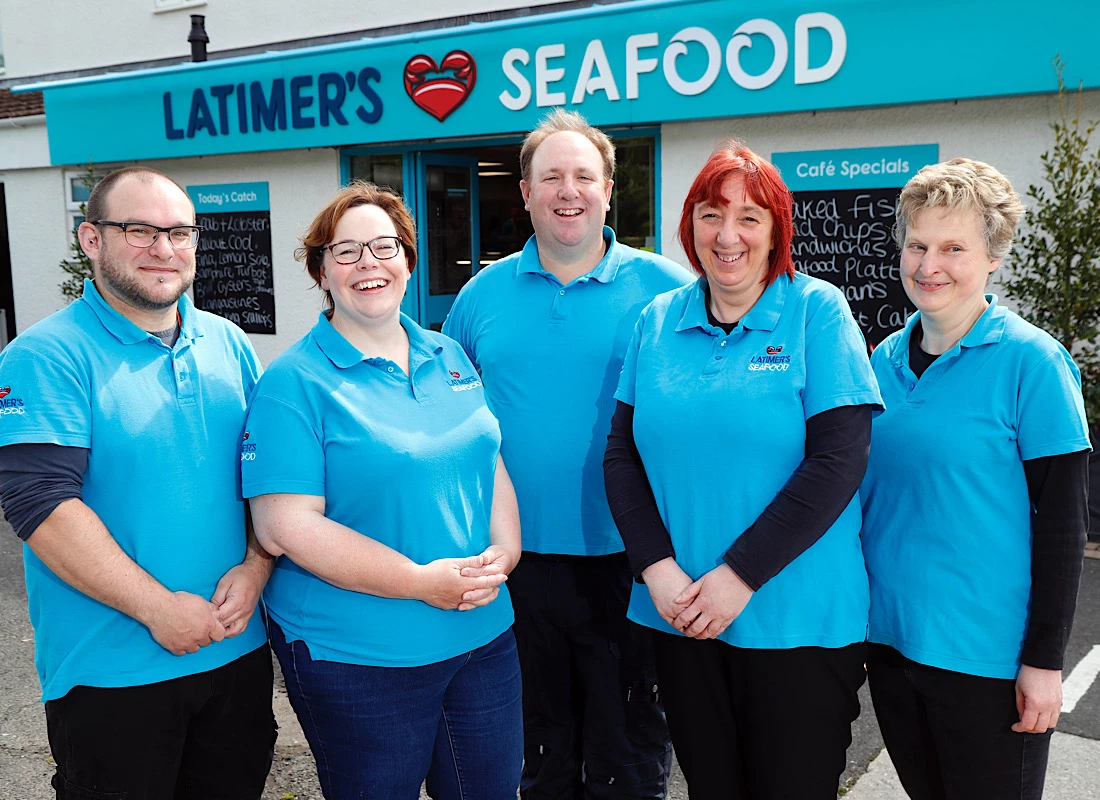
pixel 604 272
pixel 343 354
pixel 126 331
pixel 988 329
pixel 763 316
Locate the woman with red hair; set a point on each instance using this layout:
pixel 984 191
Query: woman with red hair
pixel 738 444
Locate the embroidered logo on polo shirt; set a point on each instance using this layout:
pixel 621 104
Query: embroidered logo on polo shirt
pixel 460 384
pixel 10 405
pixel 771 361
pixel 248 451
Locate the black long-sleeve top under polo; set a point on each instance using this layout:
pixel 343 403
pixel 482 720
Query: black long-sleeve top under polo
pixel 1058 488
pixel 37 478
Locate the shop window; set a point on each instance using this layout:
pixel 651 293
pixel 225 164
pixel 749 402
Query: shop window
pixel 77 192
pixel 633 214
pixel 381 170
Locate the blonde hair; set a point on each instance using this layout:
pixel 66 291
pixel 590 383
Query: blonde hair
pixel 558 121
pixel 967 185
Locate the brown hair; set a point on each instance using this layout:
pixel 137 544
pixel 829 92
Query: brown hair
pixel 357 193
pixel 96 207
pixel 558 121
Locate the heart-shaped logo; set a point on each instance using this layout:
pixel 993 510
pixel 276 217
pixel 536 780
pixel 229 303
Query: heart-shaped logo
pixel 4 392
pixel 440 89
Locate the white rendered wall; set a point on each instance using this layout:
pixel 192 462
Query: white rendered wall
pixel 23 143
pixel 300 183
pixel 38 240
pixel 1008 133
pixel 48 36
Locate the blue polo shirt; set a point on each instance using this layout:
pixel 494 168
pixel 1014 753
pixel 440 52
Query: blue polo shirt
pixel 406 460
pixel 720 422
pixel 947 519
pixel 161 425
pixel 550 355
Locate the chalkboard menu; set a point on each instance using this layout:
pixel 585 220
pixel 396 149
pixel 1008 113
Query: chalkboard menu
pixel 233 270
pixel 845 237
pixel 844 215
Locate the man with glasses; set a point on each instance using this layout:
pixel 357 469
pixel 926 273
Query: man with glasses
pixel 548 328
pixel 120 423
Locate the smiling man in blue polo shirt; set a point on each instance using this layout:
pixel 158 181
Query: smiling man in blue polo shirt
pixel 547 328
pixel 118 468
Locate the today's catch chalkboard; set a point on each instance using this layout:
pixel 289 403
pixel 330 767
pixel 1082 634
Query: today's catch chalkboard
pixel 233 275
pixel 233 263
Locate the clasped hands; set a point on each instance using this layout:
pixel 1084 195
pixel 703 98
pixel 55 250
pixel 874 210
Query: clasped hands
pixel 466 583
pixel 699 609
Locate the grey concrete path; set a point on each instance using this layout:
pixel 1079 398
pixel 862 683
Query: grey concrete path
pixel 1073 773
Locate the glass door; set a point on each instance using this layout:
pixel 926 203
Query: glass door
pixel 449 231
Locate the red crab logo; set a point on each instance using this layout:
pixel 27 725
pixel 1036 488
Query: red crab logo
pixel 4 392
pixel 773 350
pixel 440 89
pixel 455 375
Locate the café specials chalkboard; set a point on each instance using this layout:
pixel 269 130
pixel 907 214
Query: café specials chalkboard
pixel 844 216
pixel 233 271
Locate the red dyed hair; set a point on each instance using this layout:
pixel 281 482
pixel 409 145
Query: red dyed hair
pixel 762 185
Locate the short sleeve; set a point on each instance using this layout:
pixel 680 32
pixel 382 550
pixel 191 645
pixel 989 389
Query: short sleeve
pixel 457 326
pixel 281 451
pixel 250 366
pixel 628 378
pixel 43 399
pixel 838 372
pixel 1051 412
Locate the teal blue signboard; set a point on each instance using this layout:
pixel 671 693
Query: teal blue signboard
pixel 859 168
pixel 631 63
pixel 225 197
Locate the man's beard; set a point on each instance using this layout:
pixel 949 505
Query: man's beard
pixel 129 288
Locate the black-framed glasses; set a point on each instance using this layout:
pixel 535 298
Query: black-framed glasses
pixel 381 247
pixel 142 234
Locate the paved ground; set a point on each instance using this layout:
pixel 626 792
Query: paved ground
pixel 25 757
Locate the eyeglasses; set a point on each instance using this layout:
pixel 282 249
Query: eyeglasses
pixel 382 248
pixel 142 234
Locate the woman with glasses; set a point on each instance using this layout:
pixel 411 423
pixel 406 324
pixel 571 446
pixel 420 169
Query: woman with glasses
pixel 374 472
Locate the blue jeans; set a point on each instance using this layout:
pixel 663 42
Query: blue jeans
pixel 379 732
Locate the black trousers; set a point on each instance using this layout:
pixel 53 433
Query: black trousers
pixel 593 723
pixel 950 734
pixel 208 736
pixel 759 724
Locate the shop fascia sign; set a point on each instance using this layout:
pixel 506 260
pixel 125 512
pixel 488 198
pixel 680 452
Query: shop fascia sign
pixel 632 63
pixel 307 101
pixel 597 75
